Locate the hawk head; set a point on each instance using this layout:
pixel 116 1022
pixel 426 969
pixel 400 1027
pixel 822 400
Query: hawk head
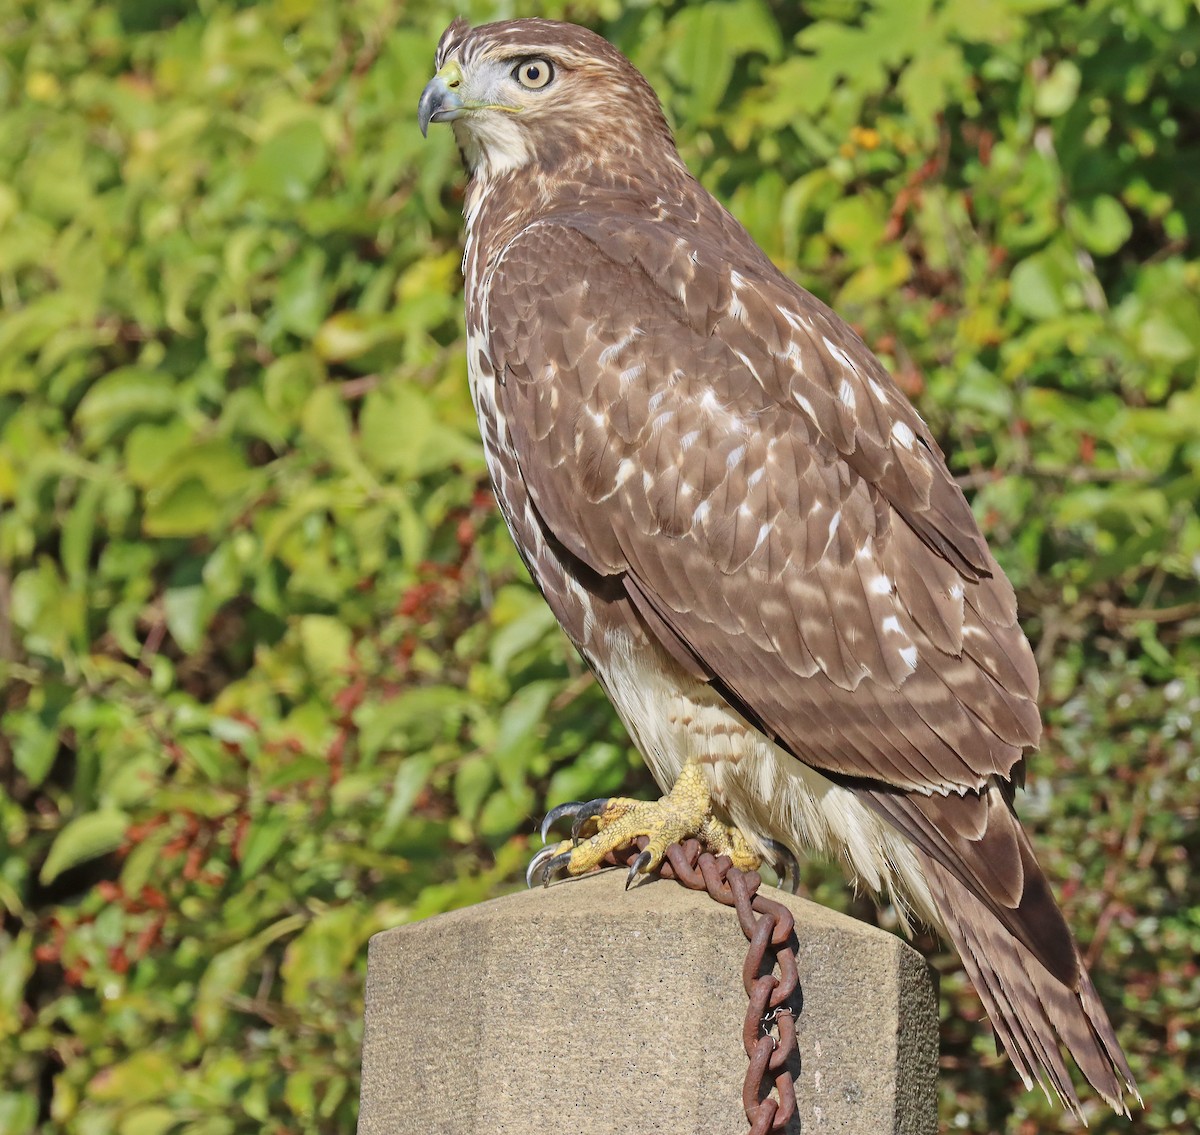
pixel 539 92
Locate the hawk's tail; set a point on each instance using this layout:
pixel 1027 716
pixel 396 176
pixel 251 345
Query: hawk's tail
pixel 1031 1010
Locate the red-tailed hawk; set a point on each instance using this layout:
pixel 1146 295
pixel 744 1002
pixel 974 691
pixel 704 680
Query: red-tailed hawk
pixel 747 531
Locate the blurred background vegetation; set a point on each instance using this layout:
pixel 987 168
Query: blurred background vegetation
pixel 271 676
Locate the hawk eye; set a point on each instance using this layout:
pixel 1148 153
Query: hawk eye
pixel 533 74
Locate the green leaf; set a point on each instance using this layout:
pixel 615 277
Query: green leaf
pixel 517 736
pixel 79 530
pixel 322 953
pixel 18 1112
pixel 401 433
pixel 185 609
pixel 412 720
pixel 472 783
pixel 856 223
pixel 146 1075
pixel 326 643
pixel 151 1119
pixel 597 772
pixel 1039 286
pixel 151 447
pixel 326 423
pixel 700 58
pixel 289 164
pixel 521 633
pixel 411 778
pixel 1056 94
pixel 1102 225
pixel 506 810
pixel 82 839
pixel 35 745
pixel 1160 337
pixel 229 970
pixel 122 397
pixel 188 508
pixel 264 838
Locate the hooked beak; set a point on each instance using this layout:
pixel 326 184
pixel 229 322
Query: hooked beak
pixel 440 101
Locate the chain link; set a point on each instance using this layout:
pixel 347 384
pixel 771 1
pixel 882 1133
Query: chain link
pixel 769 1028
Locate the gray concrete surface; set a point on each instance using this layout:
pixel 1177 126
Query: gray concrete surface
pixel 583 1008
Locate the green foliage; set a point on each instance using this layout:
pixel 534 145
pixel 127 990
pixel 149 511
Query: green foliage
pixel 273 678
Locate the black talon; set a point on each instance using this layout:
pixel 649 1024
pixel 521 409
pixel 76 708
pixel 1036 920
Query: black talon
pixel 547 863
pixel 580 812
pixel 555 814
pixel 535 863
pixel 554 865
pixel 639 865
pixel 786 866
pixel 584 813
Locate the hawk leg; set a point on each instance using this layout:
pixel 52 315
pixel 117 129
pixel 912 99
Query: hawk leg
pixel 602 826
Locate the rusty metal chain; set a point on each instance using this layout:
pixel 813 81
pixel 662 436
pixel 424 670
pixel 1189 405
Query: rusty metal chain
pixel 769 1029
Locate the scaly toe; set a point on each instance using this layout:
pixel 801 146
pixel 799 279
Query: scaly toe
pixel 600 827
pixel 603 812
pixel 721 839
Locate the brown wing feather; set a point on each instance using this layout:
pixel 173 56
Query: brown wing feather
pixel 726 444
pixel 978 839
pixel 1030 1008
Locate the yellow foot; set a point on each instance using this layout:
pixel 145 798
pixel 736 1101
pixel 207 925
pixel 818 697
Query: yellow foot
pixel 685 811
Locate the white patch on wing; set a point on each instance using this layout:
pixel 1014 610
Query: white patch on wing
pixel 903 435
pixel 792 355
pixel 909 654
pixel 747 363
pixel 877 389
pixel 846 394
pixel 797 321
pixel 839 354
pixel 610 353
pixel 881 585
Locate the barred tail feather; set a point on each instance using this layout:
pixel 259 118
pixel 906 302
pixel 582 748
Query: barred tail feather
pixel 1032 1011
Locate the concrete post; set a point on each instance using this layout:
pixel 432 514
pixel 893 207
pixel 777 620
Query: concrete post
pixel 583 1008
